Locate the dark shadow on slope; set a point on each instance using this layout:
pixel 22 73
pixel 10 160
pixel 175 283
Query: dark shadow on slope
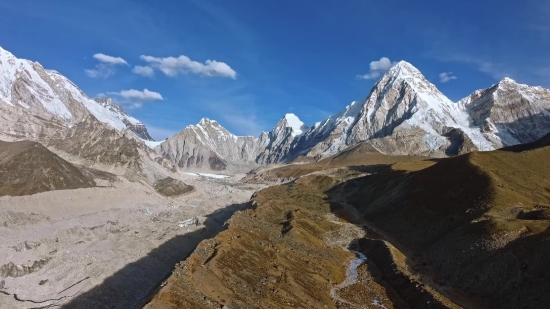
pixel 414 211
pixel 370 169
pixel 525 129
pixel 135 284
pixel 385 272
pixel 438 218
pixel 542 142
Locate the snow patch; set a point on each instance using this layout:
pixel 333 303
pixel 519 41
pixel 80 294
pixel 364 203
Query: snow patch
pixel 216 176
pixel 292 121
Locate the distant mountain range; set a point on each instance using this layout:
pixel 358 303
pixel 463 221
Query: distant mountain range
pixel 404 114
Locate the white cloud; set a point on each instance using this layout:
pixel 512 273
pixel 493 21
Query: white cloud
pixel 135 98
pixel 377 68
pixel 172 66
pixel 446 77
pixel 143 70
pixel 105 67
pixel 110 59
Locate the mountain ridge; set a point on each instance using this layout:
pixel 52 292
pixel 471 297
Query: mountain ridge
pixel 403 114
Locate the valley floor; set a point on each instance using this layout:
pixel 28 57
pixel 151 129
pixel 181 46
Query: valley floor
pixel 105 246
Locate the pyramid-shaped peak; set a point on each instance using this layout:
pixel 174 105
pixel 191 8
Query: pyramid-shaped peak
pixel 405 64
pixel 403 68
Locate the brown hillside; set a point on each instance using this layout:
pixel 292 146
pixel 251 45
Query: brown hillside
pixel 463 232
pixel 354 157
pixel 28 168
pixel 172 187
pixel 476 224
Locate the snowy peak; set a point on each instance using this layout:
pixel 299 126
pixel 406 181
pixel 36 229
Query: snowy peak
pixel 509 113
pixel 291 121
pixel 51 96
pixel 209 131
pixel 507 80
pixel 403 69
pixel 131 123
pixel 206 122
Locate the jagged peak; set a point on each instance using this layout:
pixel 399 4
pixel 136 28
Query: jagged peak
pixel 207 121
pixel 292 121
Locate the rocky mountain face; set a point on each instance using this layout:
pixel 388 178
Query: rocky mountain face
pixel 280 145
pixel 131 123
pixel 22 169
pixel 405 114
pixel 509 113
pixel 35 102
pixel 208 145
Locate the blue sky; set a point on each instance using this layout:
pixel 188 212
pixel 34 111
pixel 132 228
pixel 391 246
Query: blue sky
pixel 246 63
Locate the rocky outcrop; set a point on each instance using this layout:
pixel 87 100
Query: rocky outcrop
pixel 172 187
pixel 460 143
pixel 13 270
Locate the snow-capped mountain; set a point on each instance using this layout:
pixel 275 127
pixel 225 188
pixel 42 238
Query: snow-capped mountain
pixel 34 101
pixel 208 145
pixel 509 113
pixel 404 114
pixel 279 145
pixel 131 123
pixel 43 105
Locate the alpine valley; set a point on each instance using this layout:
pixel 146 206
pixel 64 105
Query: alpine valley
pixel 380 205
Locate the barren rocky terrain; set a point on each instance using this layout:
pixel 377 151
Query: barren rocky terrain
pixel 108 246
